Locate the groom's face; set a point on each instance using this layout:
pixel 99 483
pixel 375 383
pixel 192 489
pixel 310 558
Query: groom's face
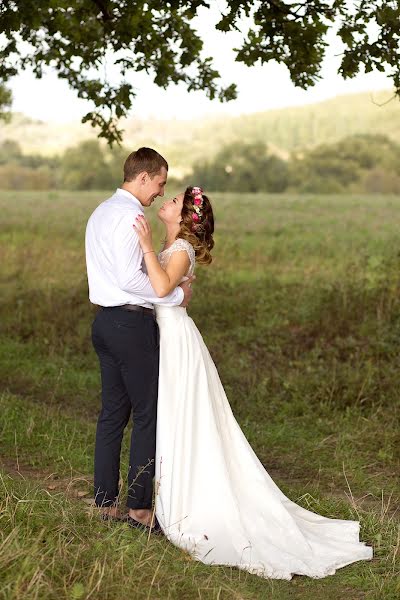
pixel 153 187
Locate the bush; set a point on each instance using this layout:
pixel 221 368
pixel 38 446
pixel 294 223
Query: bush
pixel 247 167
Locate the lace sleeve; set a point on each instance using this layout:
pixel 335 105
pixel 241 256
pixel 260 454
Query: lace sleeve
pixel 177 246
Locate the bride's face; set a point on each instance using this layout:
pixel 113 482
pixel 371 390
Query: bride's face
pixel 170 211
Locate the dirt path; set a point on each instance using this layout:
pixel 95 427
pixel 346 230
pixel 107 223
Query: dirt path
pixel 76 486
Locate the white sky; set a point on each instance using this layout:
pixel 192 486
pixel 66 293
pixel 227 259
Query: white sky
pixel 260 87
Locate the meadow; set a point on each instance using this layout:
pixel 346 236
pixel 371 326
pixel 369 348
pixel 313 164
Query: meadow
pixel 301 312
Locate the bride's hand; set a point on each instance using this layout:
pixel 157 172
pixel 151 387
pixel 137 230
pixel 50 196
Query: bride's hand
pixel 143 229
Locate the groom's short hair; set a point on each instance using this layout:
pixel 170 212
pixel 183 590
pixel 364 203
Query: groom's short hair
pixel 143 159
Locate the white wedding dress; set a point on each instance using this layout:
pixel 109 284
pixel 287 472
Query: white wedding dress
pixel 214 498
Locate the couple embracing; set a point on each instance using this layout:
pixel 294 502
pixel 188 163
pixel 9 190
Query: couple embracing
pixel 213 497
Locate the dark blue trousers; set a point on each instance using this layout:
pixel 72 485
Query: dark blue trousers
pixel 127 345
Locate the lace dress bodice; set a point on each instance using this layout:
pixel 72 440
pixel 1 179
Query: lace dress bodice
pixel 178 245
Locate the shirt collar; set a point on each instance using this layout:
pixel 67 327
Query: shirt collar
pixel 129 196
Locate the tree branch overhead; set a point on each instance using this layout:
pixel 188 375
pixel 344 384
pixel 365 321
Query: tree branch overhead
pixel 159 37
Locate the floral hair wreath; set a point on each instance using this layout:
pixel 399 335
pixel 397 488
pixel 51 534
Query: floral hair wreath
pixel 197 206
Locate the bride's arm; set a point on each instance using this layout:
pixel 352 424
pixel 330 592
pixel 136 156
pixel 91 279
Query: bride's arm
pixel 163 281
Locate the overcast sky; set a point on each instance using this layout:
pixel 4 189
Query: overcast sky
pixel 260 87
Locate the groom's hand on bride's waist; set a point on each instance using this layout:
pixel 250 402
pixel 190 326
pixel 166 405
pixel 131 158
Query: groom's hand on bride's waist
pixel 187 290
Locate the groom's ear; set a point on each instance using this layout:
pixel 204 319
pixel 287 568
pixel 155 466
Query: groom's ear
pixel 143 177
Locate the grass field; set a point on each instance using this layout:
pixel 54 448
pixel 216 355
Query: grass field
pixel 301 312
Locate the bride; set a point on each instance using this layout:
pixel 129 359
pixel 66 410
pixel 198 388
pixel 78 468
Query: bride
pixel 214 498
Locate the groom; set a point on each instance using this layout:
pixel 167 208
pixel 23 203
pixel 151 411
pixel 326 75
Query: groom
pixel 125 336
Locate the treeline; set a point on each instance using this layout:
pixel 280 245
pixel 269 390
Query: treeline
pixel 359 163
pixel 84 167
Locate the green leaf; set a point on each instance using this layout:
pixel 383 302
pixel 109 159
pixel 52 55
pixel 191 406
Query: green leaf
pixel 77 591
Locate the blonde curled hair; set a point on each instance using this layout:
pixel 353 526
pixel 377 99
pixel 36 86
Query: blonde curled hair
pixel 198 233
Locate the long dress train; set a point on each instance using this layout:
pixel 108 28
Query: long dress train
pixel 214 498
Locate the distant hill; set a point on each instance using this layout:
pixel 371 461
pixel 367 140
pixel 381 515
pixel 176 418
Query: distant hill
pixel 184 142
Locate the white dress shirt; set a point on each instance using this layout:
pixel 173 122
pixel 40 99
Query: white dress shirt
pixel 114 258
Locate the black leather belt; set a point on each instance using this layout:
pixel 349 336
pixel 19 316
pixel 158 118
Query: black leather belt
pixel 142 309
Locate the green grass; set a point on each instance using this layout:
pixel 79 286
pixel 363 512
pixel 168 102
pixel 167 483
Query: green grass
pixel 300 310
